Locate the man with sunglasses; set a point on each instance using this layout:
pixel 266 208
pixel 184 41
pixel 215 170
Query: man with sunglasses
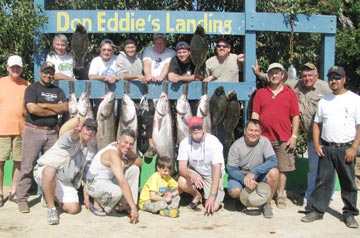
pixel 201 167
pixel 43 103
pixel 224 66
pixel 60 170
pixel 336 137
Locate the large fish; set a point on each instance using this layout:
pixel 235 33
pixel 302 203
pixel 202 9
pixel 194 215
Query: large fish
pixel 106 121
pixel 232 116
pixel 84 108
pixel 183 114
pixel 198 49
pixel 128 117
pixel 218 103
pixel 79 45
pixel 203 110
pixel 162 134
pixel 73 104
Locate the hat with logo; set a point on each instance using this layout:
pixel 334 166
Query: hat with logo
pixel 47 65
pixel 336 70
pixel 256 197
pixel 275 66
pixel 14 60
pixel 195 121
pixel 90 122
pixel 107 41
pixel 182 45
pixel 308 65
pixel 159 35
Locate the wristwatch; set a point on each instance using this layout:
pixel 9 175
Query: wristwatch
pixel 213 194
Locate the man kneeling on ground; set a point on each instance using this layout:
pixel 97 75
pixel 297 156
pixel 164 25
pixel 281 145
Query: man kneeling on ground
pixel 252 160
pixel 60 170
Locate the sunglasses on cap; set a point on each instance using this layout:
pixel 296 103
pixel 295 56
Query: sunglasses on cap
pixel 335 77
pixel 50 72
pixel 222 46
pixel 92 129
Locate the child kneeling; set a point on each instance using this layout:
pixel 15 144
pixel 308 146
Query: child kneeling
pixel 160 193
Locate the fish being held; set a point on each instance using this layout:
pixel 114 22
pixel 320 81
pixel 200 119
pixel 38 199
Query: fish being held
pixel 198 50
pixel 128 117
pixel 106 121
pixel 79 45
pixel 183 114
pixel 162 134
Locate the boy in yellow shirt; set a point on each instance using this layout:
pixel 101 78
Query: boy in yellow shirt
pixel 160 193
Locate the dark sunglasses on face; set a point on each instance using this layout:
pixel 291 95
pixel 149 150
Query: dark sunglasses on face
pixel 222 46
pixel 89 128
pixel 52 73
pixel 193 128
pixel 335 77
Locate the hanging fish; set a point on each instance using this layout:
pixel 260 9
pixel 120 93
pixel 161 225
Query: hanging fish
pixel 291 72
pixel 232 116
pixel 218 103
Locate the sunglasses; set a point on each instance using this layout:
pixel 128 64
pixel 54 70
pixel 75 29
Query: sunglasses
pixel 105 49
pixel 92 129
pixel 222 46
pixel 52 73
pixel 335 77
pixel 193 128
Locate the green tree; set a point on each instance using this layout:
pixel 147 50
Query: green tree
pixel 19 23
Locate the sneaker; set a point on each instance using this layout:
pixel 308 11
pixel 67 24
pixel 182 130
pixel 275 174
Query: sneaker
pixel 23 207
pixel 52 216
pixel 150 153
pixel 267 210
pixel 312 216
pixel 351 222
pixel 169 213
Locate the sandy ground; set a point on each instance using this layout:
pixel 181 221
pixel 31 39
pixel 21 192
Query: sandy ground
pixel 226 223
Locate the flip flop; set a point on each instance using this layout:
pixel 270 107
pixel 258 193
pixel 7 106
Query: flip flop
pixel 97 211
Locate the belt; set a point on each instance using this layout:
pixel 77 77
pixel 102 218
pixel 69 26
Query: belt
pixel 336 144
pixel 45 128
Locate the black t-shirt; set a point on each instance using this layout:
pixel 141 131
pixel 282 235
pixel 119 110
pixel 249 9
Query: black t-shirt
pixel 177 67
pixel 37 93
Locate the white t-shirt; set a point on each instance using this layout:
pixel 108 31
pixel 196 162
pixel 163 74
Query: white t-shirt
pixel 203 155
pixel 100 67
pixel 158 61
pixel 63 63
pixel 339 115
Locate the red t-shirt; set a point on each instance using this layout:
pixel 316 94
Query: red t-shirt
pixel 276 112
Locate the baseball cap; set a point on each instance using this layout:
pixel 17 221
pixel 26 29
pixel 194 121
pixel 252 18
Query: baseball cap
pixel 47 65
pixel 195 121
pixel 308 65
pixel 129 41
pixel 256 197
pixel 14 60
pixel 107 41
pixel 275 66
pixel 221 39
pixel 159 35
pixel 336 70
pixel 182 45
pixel 91 123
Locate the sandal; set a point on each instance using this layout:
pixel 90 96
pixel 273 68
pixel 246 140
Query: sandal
pixel 194 205
pixel 12 197
pixel 280 203
pixel 97 211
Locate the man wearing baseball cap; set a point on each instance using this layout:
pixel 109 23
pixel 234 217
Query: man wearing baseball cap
pixel 201 166
pixel 60 170
pixel 12 90
pixel 310 89
pixel 336 141
pixel 43 102
pixel 277 108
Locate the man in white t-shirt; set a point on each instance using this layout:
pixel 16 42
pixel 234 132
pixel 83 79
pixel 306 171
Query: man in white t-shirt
pixel 201 166
pixel 103 67
pixel 63 61
pixel 336 138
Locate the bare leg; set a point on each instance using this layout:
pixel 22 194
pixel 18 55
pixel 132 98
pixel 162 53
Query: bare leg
pixel 15 176
pixel 48 185
pixel 282 184
pixel 186 186
pixel 272 178
pixel 2 163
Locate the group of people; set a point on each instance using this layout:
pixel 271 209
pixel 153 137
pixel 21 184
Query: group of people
pixel 257 163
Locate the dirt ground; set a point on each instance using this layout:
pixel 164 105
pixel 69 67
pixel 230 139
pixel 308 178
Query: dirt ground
pixel 228 222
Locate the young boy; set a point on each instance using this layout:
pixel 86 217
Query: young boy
pixel 160 192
